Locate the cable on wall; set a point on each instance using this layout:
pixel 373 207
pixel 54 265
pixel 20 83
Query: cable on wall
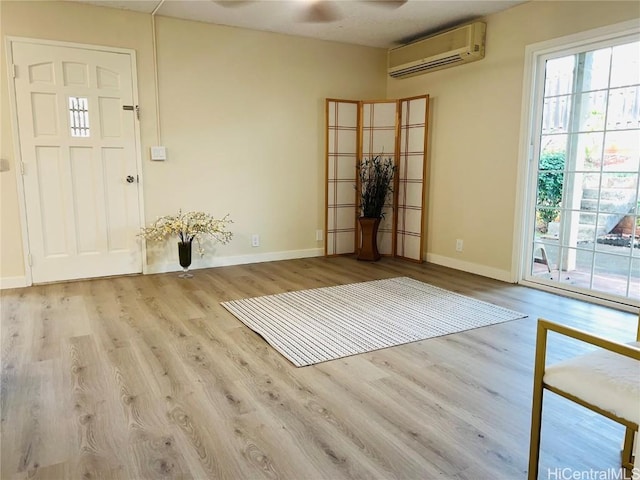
pixel 155 70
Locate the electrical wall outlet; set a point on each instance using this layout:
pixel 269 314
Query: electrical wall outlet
pixel 255 240
pixel 459 245
pixel 319 234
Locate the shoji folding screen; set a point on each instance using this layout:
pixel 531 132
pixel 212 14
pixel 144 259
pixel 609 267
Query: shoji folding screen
pixel 393 129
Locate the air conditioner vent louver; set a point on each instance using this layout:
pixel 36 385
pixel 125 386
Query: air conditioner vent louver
pixel 460 45
pixel 416 69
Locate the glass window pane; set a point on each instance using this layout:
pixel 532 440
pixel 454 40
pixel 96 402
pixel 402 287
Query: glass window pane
pixel 625 65
pixel 635 252
pixel 79 116
pixel 545 259
pixel 550 185
pixel 592 107
pixel 589 151
pixel 587 222
pixel 547 222
pixel 559 76
pixel 618 192
pixel 553 143
pixel 576 267
pixel 634 280
pixel 596 75
pixel 622 151
pixel 556 114
pixel 606 223
pixel 610 273
pixel 624 108
pixel 625 229
pixel 584 260
pixel 571 231
pixel 591 181
pixel 617 235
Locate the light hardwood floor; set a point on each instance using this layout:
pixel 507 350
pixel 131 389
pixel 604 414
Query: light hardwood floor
pixel 148 377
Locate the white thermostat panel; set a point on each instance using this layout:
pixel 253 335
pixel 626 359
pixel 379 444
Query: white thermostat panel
pixel 158 153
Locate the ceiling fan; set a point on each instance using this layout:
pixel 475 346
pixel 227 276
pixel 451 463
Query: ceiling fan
pixel 319 11
pixel 325 11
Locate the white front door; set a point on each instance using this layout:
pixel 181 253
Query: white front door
pixel 77 133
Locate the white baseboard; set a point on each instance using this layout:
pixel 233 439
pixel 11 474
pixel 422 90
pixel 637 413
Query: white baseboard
pixel 209 262
pixel 496 273
pixel 13 282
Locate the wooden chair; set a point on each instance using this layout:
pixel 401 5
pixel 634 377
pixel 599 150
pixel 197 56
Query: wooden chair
pixel 543 258
pixel 606 381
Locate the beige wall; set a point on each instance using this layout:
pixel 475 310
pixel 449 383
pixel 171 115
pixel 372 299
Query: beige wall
pixel 242 115
pixel 243 122
pixel 242 118
pixel 475 127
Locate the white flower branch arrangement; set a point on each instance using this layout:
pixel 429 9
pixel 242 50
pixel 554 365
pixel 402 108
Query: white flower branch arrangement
pixel 189 226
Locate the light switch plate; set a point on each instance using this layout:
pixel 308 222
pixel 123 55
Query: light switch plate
pixel 158 153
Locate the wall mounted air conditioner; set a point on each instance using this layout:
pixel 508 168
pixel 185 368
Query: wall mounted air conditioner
pixel 443 50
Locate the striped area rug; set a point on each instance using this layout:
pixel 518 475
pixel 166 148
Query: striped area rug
pixel 312 326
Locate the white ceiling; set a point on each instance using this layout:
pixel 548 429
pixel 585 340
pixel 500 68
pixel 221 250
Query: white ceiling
pixel 373 23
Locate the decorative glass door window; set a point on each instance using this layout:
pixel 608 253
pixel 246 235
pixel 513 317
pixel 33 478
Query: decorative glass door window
pixel 584 219
pixel 79 116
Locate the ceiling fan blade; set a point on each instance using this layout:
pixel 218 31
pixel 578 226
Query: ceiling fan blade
pixel 321 11
pixel 387 3
pixel 232 3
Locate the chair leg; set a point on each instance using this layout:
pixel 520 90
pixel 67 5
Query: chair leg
pixel 635 456
pixel 544 259
pixel 536 426
pixel 627 448
pixel 536 409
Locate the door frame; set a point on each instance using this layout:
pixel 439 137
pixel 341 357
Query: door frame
pixel 13 109
pixel 527 152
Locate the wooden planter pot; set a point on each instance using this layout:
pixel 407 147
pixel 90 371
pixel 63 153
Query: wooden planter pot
pixel 369 236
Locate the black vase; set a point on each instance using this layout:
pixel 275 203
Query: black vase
pixel 184 254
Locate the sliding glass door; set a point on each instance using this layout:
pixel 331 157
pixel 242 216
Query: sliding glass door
pixel 584 218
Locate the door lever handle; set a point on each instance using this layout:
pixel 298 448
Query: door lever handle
pixel 130 179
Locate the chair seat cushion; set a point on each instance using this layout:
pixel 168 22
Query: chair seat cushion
pixel 602 378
